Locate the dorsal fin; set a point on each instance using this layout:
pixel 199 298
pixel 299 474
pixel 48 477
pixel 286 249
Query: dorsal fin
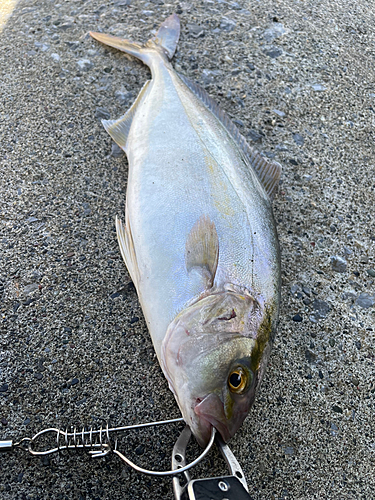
pixel 268 171
pixel 119 129
pixel 202 249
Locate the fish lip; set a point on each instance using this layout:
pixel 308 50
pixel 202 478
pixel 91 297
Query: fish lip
pixel 218 425
pixel 218 422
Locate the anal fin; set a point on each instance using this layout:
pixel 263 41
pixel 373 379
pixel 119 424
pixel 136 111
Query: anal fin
pixel 119 129
pixel 127 250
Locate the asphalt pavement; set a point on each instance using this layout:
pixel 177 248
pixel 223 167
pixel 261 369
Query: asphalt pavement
pixel 298 79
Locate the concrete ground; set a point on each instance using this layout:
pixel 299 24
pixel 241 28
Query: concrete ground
pixel 298 78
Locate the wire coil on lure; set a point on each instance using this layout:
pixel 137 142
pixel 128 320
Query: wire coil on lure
pixel 199 239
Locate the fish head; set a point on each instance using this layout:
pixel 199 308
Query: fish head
pixel 212 367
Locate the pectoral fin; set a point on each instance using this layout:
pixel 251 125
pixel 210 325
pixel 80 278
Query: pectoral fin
pixel 202 249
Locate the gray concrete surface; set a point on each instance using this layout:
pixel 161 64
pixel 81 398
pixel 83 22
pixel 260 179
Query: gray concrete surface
pixel 299 79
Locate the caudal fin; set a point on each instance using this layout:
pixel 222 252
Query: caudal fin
pixel 168 35
pixel 165 39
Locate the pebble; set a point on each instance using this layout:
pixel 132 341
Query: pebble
pixel 365 300
pixel 298 139
pixel 55 57
pixel 274 52
pixel 321 309
pixel 298 318
pixel 338 264
pixel 85 64
pixel 227 24
pixel 195 30
pixel 310 356
pixel 42 46
pixel 140 450
pixel 208 76
pixel 274 31
pixel 294 289
pixel 318 87
pixel 102 113
pixel 30 288
pixel 371 272
pixel 337 409
pixel 4 388
pixel 355 381
pixel 73 45
pixel 122 96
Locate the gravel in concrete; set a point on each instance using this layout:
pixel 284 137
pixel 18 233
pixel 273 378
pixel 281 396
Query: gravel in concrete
pixel 298 78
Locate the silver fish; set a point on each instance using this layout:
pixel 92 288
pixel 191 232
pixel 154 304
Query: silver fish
pixel 199 239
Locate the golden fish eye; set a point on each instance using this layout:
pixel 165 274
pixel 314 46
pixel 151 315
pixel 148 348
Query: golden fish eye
pixel 237 381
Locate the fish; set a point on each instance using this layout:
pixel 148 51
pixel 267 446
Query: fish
pixel 199 239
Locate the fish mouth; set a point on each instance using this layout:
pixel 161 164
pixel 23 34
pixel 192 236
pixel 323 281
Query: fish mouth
pixel 210 412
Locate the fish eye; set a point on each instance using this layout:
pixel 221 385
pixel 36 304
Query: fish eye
pixel 238 380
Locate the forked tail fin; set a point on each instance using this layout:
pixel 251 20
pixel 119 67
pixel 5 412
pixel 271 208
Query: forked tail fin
pixel 165 41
